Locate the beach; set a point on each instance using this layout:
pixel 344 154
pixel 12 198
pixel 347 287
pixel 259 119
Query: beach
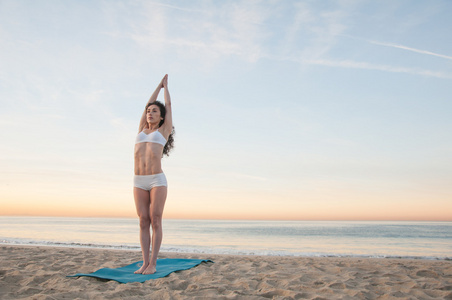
pixel 39 272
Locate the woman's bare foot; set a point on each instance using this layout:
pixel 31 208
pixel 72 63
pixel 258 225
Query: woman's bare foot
pixel 149 270
pixel 141 270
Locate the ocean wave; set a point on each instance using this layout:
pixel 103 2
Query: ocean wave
pixel 211 251
pixel 26 242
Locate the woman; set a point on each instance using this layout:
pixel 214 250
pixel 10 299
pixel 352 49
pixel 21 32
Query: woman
pixel 155 138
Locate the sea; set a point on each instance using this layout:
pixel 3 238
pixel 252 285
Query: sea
pixel 368 239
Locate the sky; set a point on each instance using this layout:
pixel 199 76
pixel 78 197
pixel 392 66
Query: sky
pixel 283 110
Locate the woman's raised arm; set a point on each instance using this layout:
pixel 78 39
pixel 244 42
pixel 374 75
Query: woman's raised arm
pixel 153 98
pixel 167 127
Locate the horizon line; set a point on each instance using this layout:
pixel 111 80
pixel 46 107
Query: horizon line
pixel 236 219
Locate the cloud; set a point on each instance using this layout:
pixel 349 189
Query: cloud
pixel 350 64
pixel 410 49
pixel 246 30
pixel 206 35
pixel 177 7
pixel 369 66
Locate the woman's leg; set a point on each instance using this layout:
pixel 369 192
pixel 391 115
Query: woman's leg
pixel 158 198
pixel 142 204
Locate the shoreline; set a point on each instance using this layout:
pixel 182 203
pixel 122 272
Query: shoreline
pixel 40 272
pixel 213 252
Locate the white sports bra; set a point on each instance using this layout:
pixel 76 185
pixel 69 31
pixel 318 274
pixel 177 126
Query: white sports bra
pixel 153 137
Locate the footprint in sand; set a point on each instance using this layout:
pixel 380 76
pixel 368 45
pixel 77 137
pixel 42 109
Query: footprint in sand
pixel 427 273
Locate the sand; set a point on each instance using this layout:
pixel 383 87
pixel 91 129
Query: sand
pixel 40 273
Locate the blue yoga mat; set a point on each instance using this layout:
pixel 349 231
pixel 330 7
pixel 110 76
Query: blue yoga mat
pixel 125 274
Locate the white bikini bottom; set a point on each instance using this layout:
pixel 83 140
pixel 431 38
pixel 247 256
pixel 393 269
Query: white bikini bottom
pixel 147 182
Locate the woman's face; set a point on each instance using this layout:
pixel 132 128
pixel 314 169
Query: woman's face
pixel 153 114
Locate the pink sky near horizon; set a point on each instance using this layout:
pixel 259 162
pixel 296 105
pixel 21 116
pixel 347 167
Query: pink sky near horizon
pixel 179 206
